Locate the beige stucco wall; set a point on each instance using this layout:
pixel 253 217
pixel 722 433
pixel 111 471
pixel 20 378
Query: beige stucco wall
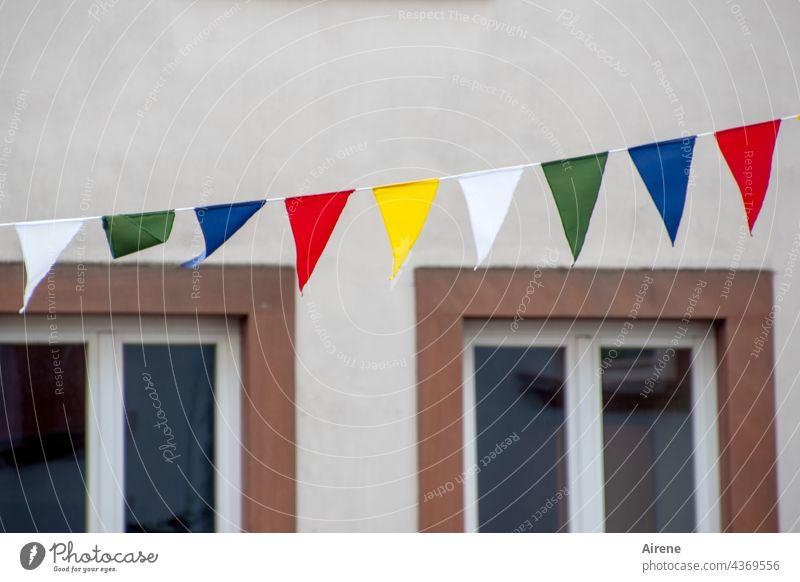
pixel 120 106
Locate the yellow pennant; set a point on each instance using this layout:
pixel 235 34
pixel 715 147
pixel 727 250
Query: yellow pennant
pixel 404 208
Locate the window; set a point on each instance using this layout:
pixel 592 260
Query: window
pixel 449 302
pixel 133 430
pixel 580 426
pixel 42 438
pixel 179 495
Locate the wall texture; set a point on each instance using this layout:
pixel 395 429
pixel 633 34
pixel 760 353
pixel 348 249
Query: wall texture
pixel 117 106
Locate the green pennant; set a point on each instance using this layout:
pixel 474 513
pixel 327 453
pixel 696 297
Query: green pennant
pixel 131 233
pixel 575 184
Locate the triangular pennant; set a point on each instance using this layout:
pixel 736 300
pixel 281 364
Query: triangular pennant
pixel 404 208
pixel 219 223
pixel 313 219
pixel 488 196
pixel 748 152
pixel 575 184
pixel 131 233
pixel 42 243
pixel 664 168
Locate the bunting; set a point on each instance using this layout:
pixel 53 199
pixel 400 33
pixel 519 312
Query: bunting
pixel 219 223
pixel 488 195
pixel 748 152
pixel 131 233
pixel 664 168
pixel 575 184
pixel 313 219
pixel 42 244
pixel 404 208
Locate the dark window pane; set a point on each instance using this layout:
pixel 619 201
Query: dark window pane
pixel 520 441
pixel 42 436
pixel 169 439
pixel 647 429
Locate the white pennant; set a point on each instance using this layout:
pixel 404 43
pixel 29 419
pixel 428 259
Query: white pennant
pixel 42 244
pixel 488 195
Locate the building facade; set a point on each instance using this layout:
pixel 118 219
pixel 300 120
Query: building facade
pixel 374 405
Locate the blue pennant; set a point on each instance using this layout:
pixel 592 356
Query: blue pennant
pixel 664 168
pixel 219 223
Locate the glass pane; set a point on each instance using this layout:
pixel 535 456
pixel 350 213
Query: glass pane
pixel 42 438
pixel 647 429
pixel 169 440
pixel 520 421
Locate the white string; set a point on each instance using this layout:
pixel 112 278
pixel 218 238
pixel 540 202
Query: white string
pixel 359 189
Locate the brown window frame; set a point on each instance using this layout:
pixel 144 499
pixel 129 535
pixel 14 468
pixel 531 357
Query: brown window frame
pixel 261 297
pixel 737 303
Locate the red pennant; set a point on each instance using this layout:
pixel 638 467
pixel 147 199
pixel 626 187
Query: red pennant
pixel 313 219
pixel 748 152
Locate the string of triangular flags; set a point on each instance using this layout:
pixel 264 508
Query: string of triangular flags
pixel 575 183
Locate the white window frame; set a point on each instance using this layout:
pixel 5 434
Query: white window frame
pixel 582 341
pixel 105 441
